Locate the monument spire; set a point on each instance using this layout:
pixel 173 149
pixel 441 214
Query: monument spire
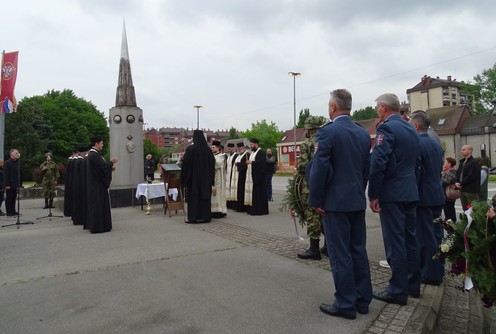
pixel 125 89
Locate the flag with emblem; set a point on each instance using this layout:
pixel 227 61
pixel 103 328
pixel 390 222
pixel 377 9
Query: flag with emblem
pixel 7 85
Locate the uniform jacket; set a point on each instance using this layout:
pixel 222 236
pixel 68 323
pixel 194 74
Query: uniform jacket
pixel 430 187
pixel 395 162
pixel 338 175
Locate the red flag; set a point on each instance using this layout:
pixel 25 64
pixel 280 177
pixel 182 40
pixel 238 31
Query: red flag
pixel 9 76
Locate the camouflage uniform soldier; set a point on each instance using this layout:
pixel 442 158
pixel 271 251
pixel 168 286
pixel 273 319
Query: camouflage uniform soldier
pixel 297 192
pixel 50 175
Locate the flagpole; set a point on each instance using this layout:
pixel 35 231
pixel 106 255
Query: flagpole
pixel 2 120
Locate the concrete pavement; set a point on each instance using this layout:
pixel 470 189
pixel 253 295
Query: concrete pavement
pixel 155 274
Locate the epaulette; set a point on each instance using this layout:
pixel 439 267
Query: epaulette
pixel 326 124
pixel 380 123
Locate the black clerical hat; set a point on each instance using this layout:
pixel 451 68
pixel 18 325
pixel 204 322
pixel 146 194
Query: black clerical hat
pixel 254 141
pixel 216 143
pixel 240 144
pixel 96 139
pixel 230 145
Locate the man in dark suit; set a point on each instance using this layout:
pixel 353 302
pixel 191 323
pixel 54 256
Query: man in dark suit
pixel 11 181
pixel 337 182
pixel 430 204
pixel 468 177
pixel 393 192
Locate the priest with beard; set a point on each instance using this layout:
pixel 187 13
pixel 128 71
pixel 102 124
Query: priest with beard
pixel 255 185
pixel 198 173
pixel 239 178
pixel 99 176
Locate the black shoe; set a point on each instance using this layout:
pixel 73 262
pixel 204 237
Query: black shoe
pixel 45 207
pixel 335 312
pixel 10 214
pixel 363 310
pixel 190 222
pixel 2 213
pixel 385 297
pixel 414 294
pixel 429 282
pixel 309 255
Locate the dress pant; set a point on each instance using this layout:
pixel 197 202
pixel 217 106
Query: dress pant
pixel 268 181
pixel 398 221
pixel 10 201
pixel 346 238
pixel 429 237
pixel 449 210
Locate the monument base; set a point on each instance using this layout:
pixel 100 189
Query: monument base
pixel 120 198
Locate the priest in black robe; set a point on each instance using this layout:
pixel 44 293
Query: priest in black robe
pixel 239 177
pixel 68 177
pixel 231 158
pixel 198 175
pixel 78 190
pixel 99 176
pixel 256 186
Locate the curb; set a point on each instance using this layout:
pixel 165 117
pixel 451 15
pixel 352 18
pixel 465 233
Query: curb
pixel 426 313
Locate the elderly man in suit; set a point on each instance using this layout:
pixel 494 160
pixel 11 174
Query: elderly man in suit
pixel 337 181
pixel 393 192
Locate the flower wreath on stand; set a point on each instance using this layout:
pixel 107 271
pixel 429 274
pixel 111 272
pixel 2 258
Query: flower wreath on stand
pixel 470 247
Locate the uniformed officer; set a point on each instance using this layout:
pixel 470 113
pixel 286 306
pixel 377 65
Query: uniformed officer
pixel 393 192
pixel 338 177
pixel 50 174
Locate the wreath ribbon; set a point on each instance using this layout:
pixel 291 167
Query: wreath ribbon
pixel 468 284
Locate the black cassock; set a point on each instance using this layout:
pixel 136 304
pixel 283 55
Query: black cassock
pixel 69 174
pixel 78 191
pixel 259 202
pixel 99 176
pixel 198 176
pixel 242 168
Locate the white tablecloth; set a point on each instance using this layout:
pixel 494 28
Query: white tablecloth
pixel 155 190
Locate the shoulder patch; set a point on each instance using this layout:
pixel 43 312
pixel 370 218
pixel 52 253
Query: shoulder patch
pixel 379 139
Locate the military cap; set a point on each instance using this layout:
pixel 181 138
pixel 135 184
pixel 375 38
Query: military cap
pixel 313 122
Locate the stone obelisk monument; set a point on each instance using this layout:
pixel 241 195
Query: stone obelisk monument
pixel 126 135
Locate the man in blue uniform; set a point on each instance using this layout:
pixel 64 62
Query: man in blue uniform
pixel 337 181
pixel 430 204
pixel 393 192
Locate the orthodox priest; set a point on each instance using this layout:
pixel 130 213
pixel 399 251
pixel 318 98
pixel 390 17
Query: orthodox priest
pixel 68 177
pixel 198 173
pixel 239 178
pixel 255 185
pixel 99 176
pixel 219 208
pixel 79 187
pixel 231 157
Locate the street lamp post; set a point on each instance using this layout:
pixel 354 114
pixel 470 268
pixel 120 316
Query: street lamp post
pixel 294 74
pixel 198 116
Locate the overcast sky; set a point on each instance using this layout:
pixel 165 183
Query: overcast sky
pixel 233 56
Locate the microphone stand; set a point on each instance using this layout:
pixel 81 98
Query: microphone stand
pixel 18 223
pixel 50 216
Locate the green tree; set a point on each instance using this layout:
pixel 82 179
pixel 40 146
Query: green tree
pixel 482 91
pixel 233 133
pixel 268 134
pixel 55 122
pixel 151 148
pixel 366 113
pixel 304 113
